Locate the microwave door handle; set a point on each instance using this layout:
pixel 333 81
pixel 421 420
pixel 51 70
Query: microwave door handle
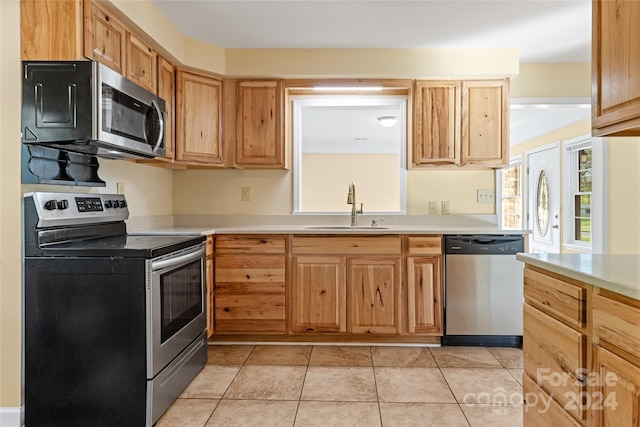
pixel 161 120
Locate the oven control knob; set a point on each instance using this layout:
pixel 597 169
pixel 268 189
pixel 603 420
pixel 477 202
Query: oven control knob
pixel 107 204
pixel 123 203
pixel 63 204
pixel 51 205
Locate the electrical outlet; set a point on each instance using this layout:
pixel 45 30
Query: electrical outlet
pixel 486 196
pixel 120 187
pixel 433 207
pixel 446 208
pixel 246 194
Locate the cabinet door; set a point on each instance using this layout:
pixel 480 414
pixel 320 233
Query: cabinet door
pixel 555 356
pixel 198 130
pixel 616 68
pixel 259 133
pixel 373 295
pixel 437 123
pixel 485 123
pixel 104 38
pixel 51 30
pixel 141 63
pixel 615 399
pixel 319 294
pixel 424 295
pixel 166 91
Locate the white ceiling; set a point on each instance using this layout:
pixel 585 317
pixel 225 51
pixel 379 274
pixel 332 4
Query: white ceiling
pixel 544 31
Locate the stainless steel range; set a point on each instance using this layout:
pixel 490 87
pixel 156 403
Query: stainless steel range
pixel 114 324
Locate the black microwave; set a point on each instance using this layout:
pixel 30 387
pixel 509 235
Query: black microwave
pixel 85 107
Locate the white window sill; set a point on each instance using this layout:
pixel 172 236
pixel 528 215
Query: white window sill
pixel 578 248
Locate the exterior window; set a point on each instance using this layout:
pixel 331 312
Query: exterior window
pixel 511 199
pixel 581 194
pixel 586 211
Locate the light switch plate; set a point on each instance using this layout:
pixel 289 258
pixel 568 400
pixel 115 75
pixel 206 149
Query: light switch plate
pixel 433 207
pixel 446 208
pixel 246 194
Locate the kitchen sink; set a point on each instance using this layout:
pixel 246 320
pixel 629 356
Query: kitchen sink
pixel 344 227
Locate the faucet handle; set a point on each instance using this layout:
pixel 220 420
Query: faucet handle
pixel 374 222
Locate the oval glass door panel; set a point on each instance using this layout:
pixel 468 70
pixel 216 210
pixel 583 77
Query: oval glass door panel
pixel 542 204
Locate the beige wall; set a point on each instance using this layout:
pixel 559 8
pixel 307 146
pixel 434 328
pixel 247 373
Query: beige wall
pixel 552 80
pixel 624 195
pixel 326 180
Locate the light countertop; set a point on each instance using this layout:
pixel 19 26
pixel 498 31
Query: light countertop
pixel 330 229
pixel 615 273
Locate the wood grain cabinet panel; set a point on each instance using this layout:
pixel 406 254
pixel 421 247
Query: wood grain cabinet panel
pixel 105 37
pixel 198 118
pixel 437 122
pixel 167 91
pixel 540 410
pixel 373 287
pixel 51 30
pixel 141 63
pixel 615 68
pixel 555 356
pixel 424 295
pixel 260 124
pixel 319 294
pixel 249 285
pixel 485 122
pixel 617 391
pixel 616 323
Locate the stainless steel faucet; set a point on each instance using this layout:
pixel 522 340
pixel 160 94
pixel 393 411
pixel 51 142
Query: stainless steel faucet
pixel 351 200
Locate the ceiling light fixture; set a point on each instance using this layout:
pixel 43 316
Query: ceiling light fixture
pixel 388 121
pixel 347 88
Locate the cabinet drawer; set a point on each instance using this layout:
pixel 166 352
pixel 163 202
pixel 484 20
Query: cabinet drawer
pixel 347 245
pixel 250 313
pixel 540 410
pixel 250 274
pixel 424 245
pixel 617 323
pixel 250 245
pixel 555 356
pixel 557 297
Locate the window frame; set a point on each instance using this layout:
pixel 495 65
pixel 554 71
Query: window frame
pixel 513 161
pixel 302 101
pixel 599 208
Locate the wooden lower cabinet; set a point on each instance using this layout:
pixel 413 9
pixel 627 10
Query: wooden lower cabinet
pixel 424 295
pixel 540 410
pixel 250 277
pixel 209 285
pixel 615 398
pixel 373 287
pixel 319 294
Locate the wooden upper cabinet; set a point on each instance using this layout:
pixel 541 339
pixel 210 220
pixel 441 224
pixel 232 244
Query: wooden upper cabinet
pixel 166 91
pixel 437 123
pixel 51 30
pixel 615 68
pixel 198 118
pixel 485 123
pixel 105 37
pixel 259 132
pixel 141 63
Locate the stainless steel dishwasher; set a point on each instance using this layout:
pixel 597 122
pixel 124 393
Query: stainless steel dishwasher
pixel 483 290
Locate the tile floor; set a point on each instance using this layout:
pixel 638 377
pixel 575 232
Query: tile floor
pixel 303 385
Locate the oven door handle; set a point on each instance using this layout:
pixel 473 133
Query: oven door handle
pixel 182 259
